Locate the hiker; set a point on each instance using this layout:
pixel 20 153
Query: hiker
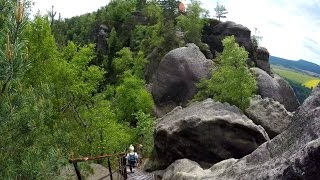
pixel 132 158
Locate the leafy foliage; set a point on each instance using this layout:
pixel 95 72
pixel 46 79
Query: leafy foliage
pixel 192 23
pixel 170 8
pixel 131 96
pixel 126 62
pixel 60 97
pixel 232 82
pixel 144 131
pixel 56 112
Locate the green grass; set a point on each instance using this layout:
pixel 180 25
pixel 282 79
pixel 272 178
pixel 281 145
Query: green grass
pixel 292 75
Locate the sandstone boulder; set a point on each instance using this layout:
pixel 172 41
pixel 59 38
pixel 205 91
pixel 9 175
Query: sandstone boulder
pixel 213 35
pixel 276 88
pixel 206 132
pixel 294 154
pixel 270 114
pixel 178 72
pixel 262 61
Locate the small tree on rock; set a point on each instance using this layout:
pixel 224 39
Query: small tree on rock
pixel 221 11
pixel 232 82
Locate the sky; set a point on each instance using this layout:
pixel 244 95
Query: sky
pixel 289 28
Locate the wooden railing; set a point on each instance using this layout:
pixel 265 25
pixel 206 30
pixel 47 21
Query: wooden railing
pixel 121 157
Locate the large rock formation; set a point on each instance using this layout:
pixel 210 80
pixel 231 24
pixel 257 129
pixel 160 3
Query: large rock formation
pixel 262 60
pixel 206 132
pixel 276 88
pixel 294 154
pixel 212 35
pixel 270 114
pixel 102 45
pixel 178 72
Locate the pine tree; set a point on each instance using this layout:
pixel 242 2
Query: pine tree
pixel 13 59
pixel 232 82
pixel 220 11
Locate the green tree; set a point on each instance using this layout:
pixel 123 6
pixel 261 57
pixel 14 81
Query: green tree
pixel 114 45
pixel 232 82
pixel 6 7
pixel 26 125
pixel 131 96
pixel 255 41
pixel 42 50
pixel 221 11
pixel 144 131
pixel 147 37
pixel 13 58
pixel 170 8
pixel 141 4
pixel 192 23
pixel 127 62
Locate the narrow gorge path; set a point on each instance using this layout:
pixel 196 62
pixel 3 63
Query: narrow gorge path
pixel 140 175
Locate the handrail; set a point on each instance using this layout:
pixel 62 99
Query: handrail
pixel 122 164
pixel 82 159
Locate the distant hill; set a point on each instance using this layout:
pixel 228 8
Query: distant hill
pixel 301 65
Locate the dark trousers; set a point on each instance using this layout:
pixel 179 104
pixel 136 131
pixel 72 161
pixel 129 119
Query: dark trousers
pixel 131 166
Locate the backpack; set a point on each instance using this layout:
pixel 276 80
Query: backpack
pixel 132 158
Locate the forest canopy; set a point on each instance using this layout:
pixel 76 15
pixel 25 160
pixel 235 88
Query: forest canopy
pixel 78 87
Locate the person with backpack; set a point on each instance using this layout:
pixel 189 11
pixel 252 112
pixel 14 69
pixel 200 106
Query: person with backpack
pixel 132 158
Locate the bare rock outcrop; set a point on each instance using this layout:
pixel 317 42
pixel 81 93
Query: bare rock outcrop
pixel 262 61
pixel 294 154
pixel 206 132
pixel 270 114
pixel 276 88
pixel 213 35
pixel 178 72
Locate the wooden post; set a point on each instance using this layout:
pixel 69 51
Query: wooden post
pixel 124 166
pixel 110 171
pixel 77 170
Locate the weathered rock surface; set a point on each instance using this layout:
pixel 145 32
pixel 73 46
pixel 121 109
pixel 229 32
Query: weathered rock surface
pixel 213 35
pixel 178 72
pixel 98 172
pixel 294 154
pixel 276 88
pixel 262 61
pixel 270 114
pixel 205 49
pixel 102 45
pixel 206 132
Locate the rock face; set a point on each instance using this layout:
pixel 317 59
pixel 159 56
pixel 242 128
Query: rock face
pixel 270 114
pixel 262 61
pixel 102 45
pixel 178 72
pixel 294 154
pixel 276 88
pixel 214 34
pixel 206 132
